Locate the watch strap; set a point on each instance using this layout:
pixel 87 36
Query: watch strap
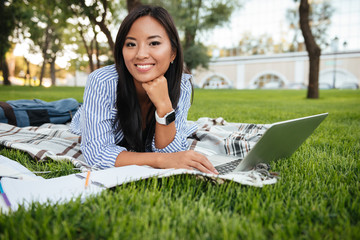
pixel 167 119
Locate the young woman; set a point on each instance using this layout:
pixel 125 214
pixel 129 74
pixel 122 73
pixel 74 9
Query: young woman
pixel 134 112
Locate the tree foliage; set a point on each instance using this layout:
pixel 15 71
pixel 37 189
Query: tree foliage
pixel 50 26
pixel 100 12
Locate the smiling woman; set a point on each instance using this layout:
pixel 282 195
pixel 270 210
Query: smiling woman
pixel 134 112
pixel 146 55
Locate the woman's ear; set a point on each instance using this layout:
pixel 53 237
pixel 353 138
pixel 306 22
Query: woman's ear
pixel 173 56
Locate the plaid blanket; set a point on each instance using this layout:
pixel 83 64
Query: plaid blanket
pixel 55 141
pixel 49 140
pixel 216 136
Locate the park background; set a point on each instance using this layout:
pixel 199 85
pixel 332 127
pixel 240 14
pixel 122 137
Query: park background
pixel 249 44
pixel 317 195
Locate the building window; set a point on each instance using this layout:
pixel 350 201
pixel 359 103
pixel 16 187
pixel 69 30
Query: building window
pixel 268 81
pixel 340 78
pixel 216 82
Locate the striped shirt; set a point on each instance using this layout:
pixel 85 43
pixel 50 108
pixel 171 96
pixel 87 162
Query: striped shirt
pixel 95 120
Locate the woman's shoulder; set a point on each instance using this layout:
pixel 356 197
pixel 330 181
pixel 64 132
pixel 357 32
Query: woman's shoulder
pixel 103 74
pixel 186 82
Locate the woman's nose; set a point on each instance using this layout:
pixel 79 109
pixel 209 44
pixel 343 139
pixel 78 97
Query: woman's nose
pixel 142 52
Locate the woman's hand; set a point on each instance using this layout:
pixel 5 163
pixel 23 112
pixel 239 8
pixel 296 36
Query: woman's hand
pixel 157 90
pixel 189 160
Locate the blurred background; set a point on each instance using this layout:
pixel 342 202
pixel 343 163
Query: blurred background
pixel 244 44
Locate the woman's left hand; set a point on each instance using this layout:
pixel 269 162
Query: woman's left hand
pixel 157 90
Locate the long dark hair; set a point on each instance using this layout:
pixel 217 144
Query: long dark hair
pixel 129 118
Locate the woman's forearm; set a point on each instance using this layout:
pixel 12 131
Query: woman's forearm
pixel 184 159
pixel 164 134
pixel 135 158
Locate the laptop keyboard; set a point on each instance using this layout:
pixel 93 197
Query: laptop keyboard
pixel 228 167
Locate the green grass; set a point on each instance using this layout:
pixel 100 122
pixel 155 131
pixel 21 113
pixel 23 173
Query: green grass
pixel 317 196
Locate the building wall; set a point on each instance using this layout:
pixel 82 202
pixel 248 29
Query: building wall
pixel 241 72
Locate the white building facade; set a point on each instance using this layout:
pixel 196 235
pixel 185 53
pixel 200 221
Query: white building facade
pixel 287 70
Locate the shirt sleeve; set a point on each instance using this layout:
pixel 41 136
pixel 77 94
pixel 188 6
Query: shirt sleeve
pixel 97 121
pixel 182 129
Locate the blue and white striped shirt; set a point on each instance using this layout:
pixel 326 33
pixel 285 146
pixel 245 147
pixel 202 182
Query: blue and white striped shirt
pixel 95 119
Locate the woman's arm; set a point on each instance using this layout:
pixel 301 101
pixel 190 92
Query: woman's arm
pixel 169 141
pixel 184 159
pixel 157 90
pixel 178 142
pixel 98 138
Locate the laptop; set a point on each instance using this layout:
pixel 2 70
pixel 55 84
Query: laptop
pixel 279 141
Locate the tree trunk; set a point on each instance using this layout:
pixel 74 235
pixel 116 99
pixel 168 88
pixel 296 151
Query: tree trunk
pixel 5 70
pixel 87 49
pixel 27 75
pixel 313 50
pixel 53 72
pixel 131 4
pixel 105 30
pixel 44 53
pixel 97 49
pixel 42 73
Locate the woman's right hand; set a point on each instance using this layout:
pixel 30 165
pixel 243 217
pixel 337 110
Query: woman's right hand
pixel 187 159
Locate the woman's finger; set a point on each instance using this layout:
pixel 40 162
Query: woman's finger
pixel 204 162
pixel 201 167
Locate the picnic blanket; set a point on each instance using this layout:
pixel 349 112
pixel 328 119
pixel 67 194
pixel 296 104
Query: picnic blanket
pixel 214 136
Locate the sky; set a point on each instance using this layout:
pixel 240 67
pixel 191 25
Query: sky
pixel 266 17
pixel 253 17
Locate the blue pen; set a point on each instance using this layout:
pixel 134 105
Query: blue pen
pixel 4 196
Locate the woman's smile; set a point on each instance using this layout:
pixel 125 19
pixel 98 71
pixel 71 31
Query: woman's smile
pixel 144 67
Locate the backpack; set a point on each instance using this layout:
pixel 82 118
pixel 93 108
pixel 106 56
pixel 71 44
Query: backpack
pixel 36 112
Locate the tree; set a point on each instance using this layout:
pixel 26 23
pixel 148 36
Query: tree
pixel 46 29
pixel 99 12
pixel 312 48
pixel 12 13
pixel 319 19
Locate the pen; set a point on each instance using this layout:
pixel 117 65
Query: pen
pixel 92 182
pixel 4 196
pixel 87 179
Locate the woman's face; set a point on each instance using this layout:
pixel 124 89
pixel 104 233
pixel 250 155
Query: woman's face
pixel 147 50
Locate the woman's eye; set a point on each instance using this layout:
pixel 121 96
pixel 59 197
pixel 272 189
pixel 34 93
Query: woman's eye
pixel 130 44
pixel 155 43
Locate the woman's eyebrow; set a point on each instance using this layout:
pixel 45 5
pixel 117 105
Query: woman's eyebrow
pixel 154 36
pixel 150 37
pixel 131 38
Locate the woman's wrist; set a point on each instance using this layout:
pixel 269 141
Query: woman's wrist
pixel 163 109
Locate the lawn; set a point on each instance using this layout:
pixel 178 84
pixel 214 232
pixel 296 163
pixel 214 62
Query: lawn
pixel 317 196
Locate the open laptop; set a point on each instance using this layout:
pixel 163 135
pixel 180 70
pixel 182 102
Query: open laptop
pixel 279 141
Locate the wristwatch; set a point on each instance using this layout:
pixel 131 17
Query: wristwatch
pixel 167 119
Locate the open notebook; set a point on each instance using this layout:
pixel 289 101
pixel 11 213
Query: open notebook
pixel 279 141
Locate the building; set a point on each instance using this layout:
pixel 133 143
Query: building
pixel 286 70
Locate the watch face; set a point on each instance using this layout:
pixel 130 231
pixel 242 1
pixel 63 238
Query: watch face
pixel 170 118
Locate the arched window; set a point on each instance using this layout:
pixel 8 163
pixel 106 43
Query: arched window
pixel 216 82
pixel 268 81
pixel 342 79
